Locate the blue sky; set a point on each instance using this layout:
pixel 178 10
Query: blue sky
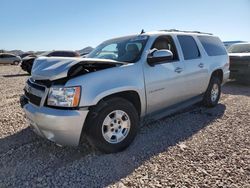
pixel 65 24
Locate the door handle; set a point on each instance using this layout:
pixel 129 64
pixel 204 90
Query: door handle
pixel 178 70
pixel 201 65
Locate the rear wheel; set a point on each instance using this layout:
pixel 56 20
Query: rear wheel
pixel 112 125
pixel 212 95
pixel 15 63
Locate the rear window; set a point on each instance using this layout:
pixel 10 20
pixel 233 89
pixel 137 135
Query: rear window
pixel 212 45
pixel 239 48
pixel 63 54
pixel 189 47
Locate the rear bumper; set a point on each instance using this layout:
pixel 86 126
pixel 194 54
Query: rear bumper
pixel 225 77
pixel 63 127
pixel 240 73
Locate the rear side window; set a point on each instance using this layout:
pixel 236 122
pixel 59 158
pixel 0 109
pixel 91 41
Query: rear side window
pixel 189 47
pixel 212 45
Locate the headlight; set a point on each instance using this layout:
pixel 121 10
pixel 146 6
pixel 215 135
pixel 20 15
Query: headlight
pixel 64 96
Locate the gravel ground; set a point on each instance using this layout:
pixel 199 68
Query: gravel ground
pixel 196 148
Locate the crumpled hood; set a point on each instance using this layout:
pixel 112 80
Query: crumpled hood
pixel 53 68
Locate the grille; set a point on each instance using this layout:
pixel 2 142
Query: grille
pixel 33 98
pixel 36 86
pixel 34 92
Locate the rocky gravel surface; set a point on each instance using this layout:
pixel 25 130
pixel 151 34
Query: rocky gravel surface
pixel 198 147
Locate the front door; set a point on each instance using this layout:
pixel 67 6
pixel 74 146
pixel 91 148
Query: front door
pixel 164 82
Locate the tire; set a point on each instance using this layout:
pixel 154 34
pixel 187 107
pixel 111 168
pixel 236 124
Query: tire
pixel 99 129
pixel 15 63
pixel 212 95
pixel 28 68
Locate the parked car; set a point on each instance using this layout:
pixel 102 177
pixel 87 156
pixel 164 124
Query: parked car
pixel 240 62
pixel 26 54
pixel 27 61
pixel 6 58
pixel 230 43
pixel 121 82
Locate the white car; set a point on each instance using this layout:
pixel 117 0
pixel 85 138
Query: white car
pixel 6 58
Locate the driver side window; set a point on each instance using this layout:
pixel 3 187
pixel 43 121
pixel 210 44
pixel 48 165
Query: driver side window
pixel 166 43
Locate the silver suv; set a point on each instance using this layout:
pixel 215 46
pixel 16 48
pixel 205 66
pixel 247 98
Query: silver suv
pixel 122 81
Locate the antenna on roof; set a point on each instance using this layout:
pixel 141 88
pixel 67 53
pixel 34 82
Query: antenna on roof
pixel 142 31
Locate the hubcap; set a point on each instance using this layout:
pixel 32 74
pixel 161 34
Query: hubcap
pixel 116 126
pixel 214 92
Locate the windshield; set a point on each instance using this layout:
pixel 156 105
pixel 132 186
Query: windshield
pixel 239 48
pixel 126 49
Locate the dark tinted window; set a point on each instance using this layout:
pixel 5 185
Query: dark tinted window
pixel 55 54
pixel 63 54
pixel 71 54
pixel 189 47
pixel 212 45
pixel 166 43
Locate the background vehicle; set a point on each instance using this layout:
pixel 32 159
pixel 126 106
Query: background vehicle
pixel 6 58
pixel 26 54
pixel 240 62
pixel 27 62
pixel 230 43
pixel 122 81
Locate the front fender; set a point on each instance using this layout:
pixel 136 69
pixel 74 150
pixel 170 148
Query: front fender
pixel 97 85
pixel 114 91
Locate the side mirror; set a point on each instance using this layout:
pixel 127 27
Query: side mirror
pixel 159 56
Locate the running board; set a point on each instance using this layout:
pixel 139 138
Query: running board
pixel 172 109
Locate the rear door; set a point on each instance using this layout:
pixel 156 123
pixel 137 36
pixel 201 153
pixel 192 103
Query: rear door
pixel 196 70
pixel 164 81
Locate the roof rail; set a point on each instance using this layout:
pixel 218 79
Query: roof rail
pixel 176 30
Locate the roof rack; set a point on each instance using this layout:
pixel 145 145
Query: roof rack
pixel 176 30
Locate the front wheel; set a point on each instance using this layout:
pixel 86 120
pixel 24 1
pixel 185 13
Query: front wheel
pixel 112 125
pixel 212 95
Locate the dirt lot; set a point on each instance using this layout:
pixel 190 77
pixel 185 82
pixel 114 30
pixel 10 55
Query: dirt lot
pixel 196 148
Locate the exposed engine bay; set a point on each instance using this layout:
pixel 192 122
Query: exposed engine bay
pixel 82 68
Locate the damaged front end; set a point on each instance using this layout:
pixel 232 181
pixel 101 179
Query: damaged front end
pixel 49 72
pixel 55 68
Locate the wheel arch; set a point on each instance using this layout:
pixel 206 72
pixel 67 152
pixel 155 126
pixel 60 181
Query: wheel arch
pixel 217 73
pixel 130 95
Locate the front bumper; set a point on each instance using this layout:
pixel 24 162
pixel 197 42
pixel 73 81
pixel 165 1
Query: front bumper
pixel 63 127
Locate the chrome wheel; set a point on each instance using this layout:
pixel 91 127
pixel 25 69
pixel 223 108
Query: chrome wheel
pixel 214 92
pixel 116 126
